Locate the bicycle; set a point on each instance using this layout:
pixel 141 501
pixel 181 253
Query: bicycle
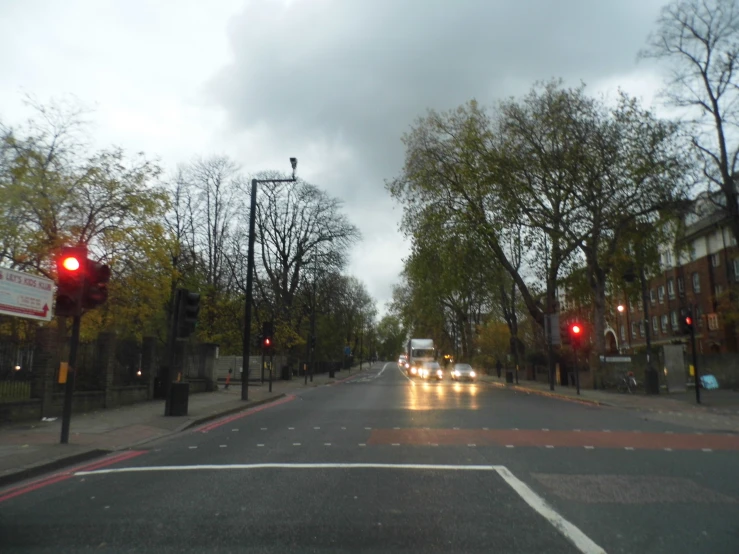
pixel 627 383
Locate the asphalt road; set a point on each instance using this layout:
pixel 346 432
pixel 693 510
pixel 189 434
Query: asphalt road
pixel 383 464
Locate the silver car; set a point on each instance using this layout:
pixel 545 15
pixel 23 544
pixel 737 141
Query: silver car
pixel 463 371
pixel 431 370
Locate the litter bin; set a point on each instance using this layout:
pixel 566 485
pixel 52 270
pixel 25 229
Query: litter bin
pixel 509 376
pixel 178 397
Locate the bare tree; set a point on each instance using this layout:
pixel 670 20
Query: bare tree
pixel 700 40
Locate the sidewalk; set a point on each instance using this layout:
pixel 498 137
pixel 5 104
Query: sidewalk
pixel 31 448
pixel 719 409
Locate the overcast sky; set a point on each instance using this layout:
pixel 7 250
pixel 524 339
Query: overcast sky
pixel 332 82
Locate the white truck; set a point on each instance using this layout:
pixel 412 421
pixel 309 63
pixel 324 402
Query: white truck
pixel 419 351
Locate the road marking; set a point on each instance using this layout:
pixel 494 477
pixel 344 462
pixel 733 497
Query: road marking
pixel 668 449
pixel 264 428
pixel 669 432
pixel 456 428
pixel 485 429
pixel 343 428
pixel 316 428
pixel 234 430
pixel 404 375
pixel 245 413
pixel 434 444
pixel 291 428
pixel 549 446
pixel 589 447
pixel 326 444
pixel 628 448
pixel 707 449
pixel 260 445
pixel 362 444
pixel 223 446
pixel 396 444
pixel 572 533
pixel 192 447
pixel 509 446
pixel 368 428
pixel 577 430
pixel 545 429
pixel 396 427
pixel 606 430
pixel 471 445
pixel 383 368
pixel 296 444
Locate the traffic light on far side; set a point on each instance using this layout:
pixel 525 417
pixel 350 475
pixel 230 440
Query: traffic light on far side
pixel 71 267
pixel 575 334
pixel 687 325
pixel 189 312
pixel 267 339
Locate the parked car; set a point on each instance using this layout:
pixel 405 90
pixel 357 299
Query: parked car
pixel 463 372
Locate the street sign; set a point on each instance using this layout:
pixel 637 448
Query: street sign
pixel 25 295
pixel 347 351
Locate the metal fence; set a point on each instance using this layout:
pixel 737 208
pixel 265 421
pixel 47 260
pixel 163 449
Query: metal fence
pixel 89 375
pixel 16 369
pixel 128 363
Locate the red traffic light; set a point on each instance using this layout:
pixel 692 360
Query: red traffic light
pixel 576 330
pixel 688 320
pixel 71 263
pixel 267 342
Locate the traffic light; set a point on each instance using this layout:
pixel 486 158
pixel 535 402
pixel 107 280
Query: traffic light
pixel 97 276
pixel 313 342
pixel 267 341
pixel 575 335
pixel 70 265
pixel 189 311
pixel 686 323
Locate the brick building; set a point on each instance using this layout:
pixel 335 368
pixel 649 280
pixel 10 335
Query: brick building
pixel 699 274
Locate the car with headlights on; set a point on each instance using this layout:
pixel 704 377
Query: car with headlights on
pixel 430 370
pixel 463 372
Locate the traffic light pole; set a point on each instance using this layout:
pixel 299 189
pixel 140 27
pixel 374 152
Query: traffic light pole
pixel 695 365
pixel 577 372
pixel 171 341
pixel 69 385
pixel 271 359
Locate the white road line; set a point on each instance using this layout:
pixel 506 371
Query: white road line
pixel 383 368
pixel 234 430
pixel 260 445
pixel 572 533
pixel 509 446
pixel 326 444
pixel 545 429
pixel 628 448
pixel 396 427
pixel 316 428
pixel 264 428
pixel 368 428
pixel 707 449
pixel 223 446
pixel 296 444
pixel 343 428
pixel 362 444
pixel 581 541
pixel 396 444
pixel 291 428
pixel 485 429
pixel 549 446
pixel 668 449
pixel 404 375
pixel 192 447
pixel 589 447
pixel 471 445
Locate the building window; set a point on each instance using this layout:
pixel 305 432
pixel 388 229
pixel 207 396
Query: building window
pixel 718 290
pixel 715 260
pixel 733 240
pixel 641 328
pixel 681 286
pixel 661 294
pixel 652 298
pixel 671 288
pixel 623 332
pixel 699 316
pixel 664 323
pixel 691 254
pixel 736 270
pixel 655 324
pixel 631 304
pixel 668 259
pixel 633 329
pixel 673 320
pixel 712 322
pixel 696 282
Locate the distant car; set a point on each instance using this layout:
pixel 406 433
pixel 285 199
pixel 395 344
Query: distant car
pixel 463 372
pixel 431 370
pixel 402 361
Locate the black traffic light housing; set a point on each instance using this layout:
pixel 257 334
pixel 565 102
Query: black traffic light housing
pixel 189 310
pixel 97 276
pixel 687 324
pixel 71 266
pixel 575 334
pixel 267 338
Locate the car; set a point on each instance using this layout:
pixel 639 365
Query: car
pixel 431 370
pixel 463 371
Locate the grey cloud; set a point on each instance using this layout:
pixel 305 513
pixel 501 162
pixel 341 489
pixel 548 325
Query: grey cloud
pixel 363 70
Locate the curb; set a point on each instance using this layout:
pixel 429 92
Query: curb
pixel 552 394
pixel 61 463
pixel 211 417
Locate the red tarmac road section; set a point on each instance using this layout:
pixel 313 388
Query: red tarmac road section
pixel 67 473
pixel 598 439
pixel 210 426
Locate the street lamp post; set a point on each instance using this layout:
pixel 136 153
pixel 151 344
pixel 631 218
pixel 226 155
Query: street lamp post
pixel 651 377
pixel 249 276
